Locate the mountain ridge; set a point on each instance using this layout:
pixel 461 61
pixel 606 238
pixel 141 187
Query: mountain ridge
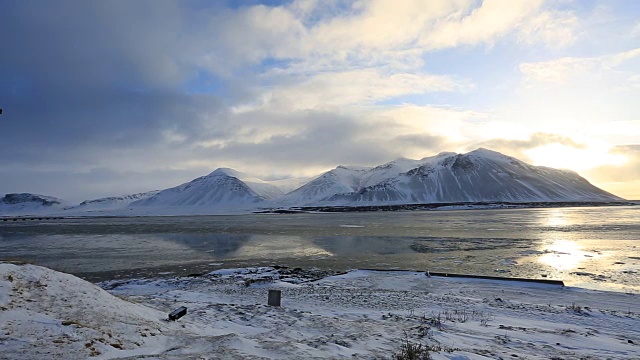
pixel 480 175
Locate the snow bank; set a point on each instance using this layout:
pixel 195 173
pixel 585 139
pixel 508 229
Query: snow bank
pixel 48 315
pixel 360 314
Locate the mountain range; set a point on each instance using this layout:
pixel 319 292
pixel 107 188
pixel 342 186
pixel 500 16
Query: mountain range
pixel 481 175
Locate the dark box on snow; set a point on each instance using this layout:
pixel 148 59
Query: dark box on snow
pixel 178 313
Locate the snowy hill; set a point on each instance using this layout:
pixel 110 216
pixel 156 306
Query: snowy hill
pixel 113 202
pixel 27 204
pixel 221 188
pixel 480 175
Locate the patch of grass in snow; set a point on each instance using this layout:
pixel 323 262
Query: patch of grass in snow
pixel 418 351
pixel 412 351
pixel 578 309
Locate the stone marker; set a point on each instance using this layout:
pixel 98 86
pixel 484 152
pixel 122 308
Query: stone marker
pixel 274 297
pixel 178 313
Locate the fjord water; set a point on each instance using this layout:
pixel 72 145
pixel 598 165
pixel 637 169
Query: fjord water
pixel 595 247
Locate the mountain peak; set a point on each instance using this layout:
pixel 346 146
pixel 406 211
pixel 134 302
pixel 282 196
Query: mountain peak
pixel 446 153
pixel 489 154
pixel 352 168
pixel 484 151
pixel 226 171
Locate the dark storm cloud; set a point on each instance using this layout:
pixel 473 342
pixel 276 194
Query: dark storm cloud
pixel 78 78
pixel 55 126
pixel 87 44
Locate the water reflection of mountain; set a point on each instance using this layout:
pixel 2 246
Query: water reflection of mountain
pixel 439 245
pixel 357 245
pixel 224 245
pixel 216 245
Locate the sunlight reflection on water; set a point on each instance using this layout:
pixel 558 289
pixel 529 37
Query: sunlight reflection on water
pixel 257 247
pixel 557 218
pixel 565 255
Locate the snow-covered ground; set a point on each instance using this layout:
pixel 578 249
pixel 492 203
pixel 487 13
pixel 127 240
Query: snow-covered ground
pixel 360 314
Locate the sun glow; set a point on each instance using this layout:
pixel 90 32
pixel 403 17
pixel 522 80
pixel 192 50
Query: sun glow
pixel 577 159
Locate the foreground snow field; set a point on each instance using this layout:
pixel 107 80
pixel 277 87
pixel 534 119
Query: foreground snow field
pixel 361 314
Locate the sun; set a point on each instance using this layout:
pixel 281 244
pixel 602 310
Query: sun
pixel 577 159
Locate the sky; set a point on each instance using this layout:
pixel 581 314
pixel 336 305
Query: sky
pixel 106 98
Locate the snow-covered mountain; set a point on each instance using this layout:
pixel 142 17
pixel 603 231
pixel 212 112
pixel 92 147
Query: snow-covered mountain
pixel 343 179
pixel 350 179
pixel 480 175
pixel 113 202
pixel 223 187
pixel 30 204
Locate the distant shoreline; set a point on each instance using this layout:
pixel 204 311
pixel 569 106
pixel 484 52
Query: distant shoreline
pixel 484 205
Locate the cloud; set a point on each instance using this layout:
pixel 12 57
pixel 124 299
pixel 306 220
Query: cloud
pixel 325 140
pixel 76 187
pixel 621 131
pixel 562 70
pixel 555 29
pixel 51 128
pixel 311 36
pixel 574 95
pixel 149 89
pixel 518 147
pixel 315 140
pixel 635 31
pixel 73 43
pixel 535 140
pixel 484 24
pixel 420 143
pixel 358 87
pixel 629 171
pixel 623 179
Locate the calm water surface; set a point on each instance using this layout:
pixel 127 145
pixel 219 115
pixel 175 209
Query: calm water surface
pixel 589 247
